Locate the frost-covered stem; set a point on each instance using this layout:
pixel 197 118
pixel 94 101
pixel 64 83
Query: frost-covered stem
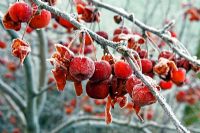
pixel 43 50
pixel 16 109
pixel 114 45
pixel 158 32
pixel 31 110
pixel 45 88
pixel 94 119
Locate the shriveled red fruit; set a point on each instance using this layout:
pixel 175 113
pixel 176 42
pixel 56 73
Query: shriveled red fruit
pixel 122 69
pixel 97 90
pixel 167 54
pixel 2 45
pixel 131 83
pixel 60 77
pixel 108 58
pixel 9 24
pixel 102 71
pixel 40 20
pixel 181 96
pixel 178 76
pixel 147 65
pixel 20 49
pixel 142 96
pixel 20 12
pixel 165 85
pixel 103 34
pixel 143 53
pixel 81 68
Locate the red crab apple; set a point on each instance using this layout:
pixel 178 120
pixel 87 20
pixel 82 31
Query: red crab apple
pixel 97 90
pixel 40 20
pixel 166 85
pixel 20 12
pixel 81 68
pixel 147 65
pixel 122 69
pixel 178 76
pixel 142 96
pixel 102 71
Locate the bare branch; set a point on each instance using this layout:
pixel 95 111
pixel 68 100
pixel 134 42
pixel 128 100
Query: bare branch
pixel 167 38
pixel 87 119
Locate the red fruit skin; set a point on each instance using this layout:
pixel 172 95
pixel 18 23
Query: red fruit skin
pixel 178 77
pixel 166 85
pixel 60 78
pixel 102 71
pixel 81 68
pixel 131 83
pixel 41 20
pixel 121 30
pixel 65 23
pixel 20 12
pixel 167 54
pixel 80 8
pixel 141 96
pixel 147 65
pixel 103 34
pixel 97 90
pixel 8 23
pixel 122 70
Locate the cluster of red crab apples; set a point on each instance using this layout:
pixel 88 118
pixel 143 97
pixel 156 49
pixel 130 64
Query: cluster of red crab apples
pixel 107 77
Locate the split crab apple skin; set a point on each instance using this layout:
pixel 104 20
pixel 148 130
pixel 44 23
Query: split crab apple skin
pixel 102 71
pixel 20 12
pixel 122 70
pixel 142 96
pixel 131 83
pixel 178 76
pixel 40 20
pixel 9 24
pixel 20 49
pixel 60 78
pixel 97 90
pixel 81 68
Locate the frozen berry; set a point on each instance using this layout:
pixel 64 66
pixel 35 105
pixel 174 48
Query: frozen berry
pixel 81 68
pixel 122 69
pixel 102 71
pixel 40 20
pixel 147 65
pixel 142 96
pixel 20 12
pixel 165 85
pixel 178 76
pixel 97 90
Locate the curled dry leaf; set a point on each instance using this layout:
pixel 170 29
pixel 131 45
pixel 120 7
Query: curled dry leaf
pixel 20 49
